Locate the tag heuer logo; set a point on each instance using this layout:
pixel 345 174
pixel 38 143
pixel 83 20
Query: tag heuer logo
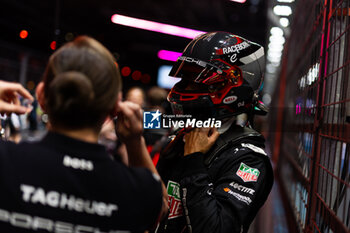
pixel 248 174
pixel 175 206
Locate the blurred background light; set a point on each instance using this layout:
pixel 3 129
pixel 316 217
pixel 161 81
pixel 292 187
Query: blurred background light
pixel 53 45
pixel 270 68
pixel 239 1
pixel 23 34
pixel 69 36
pixel 136 75
pixel 276 31
pixel 125 71
pixel 163 79
pixel 274 59
pixel 266 99
pixel 277 39
pixel 282 10
pixel 155 26
pixel 145 78
pixel 275 47
pixel 284 22
pixel 168 55
pixel 274 54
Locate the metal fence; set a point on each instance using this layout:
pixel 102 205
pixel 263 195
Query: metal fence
pixel 312 134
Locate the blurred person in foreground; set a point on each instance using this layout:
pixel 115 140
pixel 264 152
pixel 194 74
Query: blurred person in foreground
pixel 67 182
pixel 217 179
pixel 108 136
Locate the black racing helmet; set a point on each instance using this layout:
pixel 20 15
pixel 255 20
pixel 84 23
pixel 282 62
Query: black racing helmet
pixel 220 73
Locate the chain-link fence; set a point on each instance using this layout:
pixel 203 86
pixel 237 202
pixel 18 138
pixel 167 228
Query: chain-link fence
pixel 314 157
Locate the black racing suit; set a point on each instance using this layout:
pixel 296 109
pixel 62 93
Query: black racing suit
pixel 65 185
pixel 220 191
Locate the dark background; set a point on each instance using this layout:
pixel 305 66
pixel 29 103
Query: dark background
pixel 49 20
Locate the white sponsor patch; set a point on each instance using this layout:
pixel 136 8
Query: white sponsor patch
pixel 25 221
pixel 254 148
pixel 77 163
pixel 235 48
pixel 242 188
pixel 54 199
pixel 239 197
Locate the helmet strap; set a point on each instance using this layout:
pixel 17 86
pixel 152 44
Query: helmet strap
pixel 251 111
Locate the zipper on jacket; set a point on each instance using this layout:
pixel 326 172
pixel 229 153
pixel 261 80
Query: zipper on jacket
pixel 184 203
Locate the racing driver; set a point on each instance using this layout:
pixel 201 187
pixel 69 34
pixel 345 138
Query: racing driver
pixel 217 179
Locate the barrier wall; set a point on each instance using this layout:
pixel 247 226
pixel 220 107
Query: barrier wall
pixel 311 112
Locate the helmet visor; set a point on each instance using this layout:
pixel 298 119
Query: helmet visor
pixel 201 109
pixel 193 69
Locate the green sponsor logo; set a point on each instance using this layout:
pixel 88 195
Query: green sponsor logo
pixel 174 189
pixel 175 206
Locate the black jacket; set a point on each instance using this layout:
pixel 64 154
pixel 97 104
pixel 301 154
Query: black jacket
pixel 220 191
pixel 65 185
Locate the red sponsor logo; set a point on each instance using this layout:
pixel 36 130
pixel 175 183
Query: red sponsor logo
pixel 175 208
pixel 229 99
pixel 247 176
